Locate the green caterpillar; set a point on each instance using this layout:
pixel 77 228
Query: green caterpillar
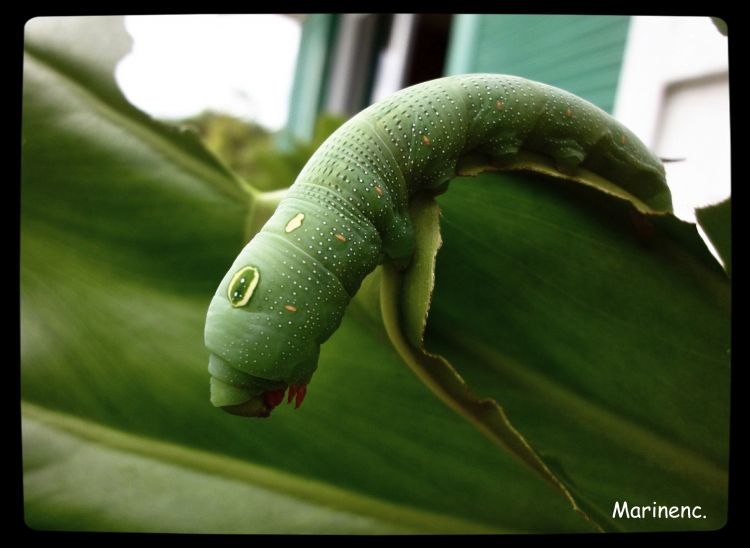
pixel 286 292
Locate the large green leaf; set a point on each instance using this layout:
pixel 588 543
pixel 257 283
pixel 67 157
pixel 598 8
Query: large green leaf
pixel 607 347
pixel 126 228
pixel 605 335
pixel 83 476
pixel 405 302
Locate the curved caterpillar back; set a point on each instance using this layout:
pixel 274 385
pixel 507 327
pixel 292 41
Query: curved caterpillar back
pixel 286 292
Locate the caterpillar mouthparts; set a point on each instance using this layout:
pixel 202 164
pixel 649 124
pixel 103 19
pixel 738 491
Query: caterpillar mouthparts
pixel 262 405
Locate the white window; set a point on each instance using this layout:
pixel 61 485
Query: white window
pixel 674 94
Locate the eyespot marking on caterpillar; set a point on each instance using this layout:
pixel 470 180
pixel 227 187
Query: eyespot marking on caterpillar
pixel 290 308
pixel 340 237
pixel 426 140
pixel 242 286
pixel 294 223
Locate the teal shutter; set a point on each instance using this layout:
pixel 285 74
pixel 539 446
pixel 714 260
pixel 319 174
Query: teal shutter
pixel 310 77
pixel 579 53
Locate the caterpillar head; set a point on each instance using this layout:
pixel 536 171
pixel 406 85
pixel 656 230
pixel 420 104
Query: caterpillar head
pixel 256 405
pixel 253 384
pixel 246 395
pixel 264 328
pixel 266 322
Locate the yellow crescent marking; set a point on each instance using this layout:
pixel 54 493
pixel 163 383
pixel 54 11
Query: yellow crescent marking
pixel 294 223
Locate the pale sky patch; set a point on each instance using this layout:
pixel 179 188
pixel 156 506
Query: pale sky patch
pixel 238 64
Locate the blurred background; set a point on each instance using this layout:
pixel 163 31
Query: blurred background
pixel 252 84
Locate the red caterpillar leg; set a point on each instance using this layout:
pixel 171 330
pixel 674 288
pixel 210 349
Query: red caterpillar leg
pixel 272 398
